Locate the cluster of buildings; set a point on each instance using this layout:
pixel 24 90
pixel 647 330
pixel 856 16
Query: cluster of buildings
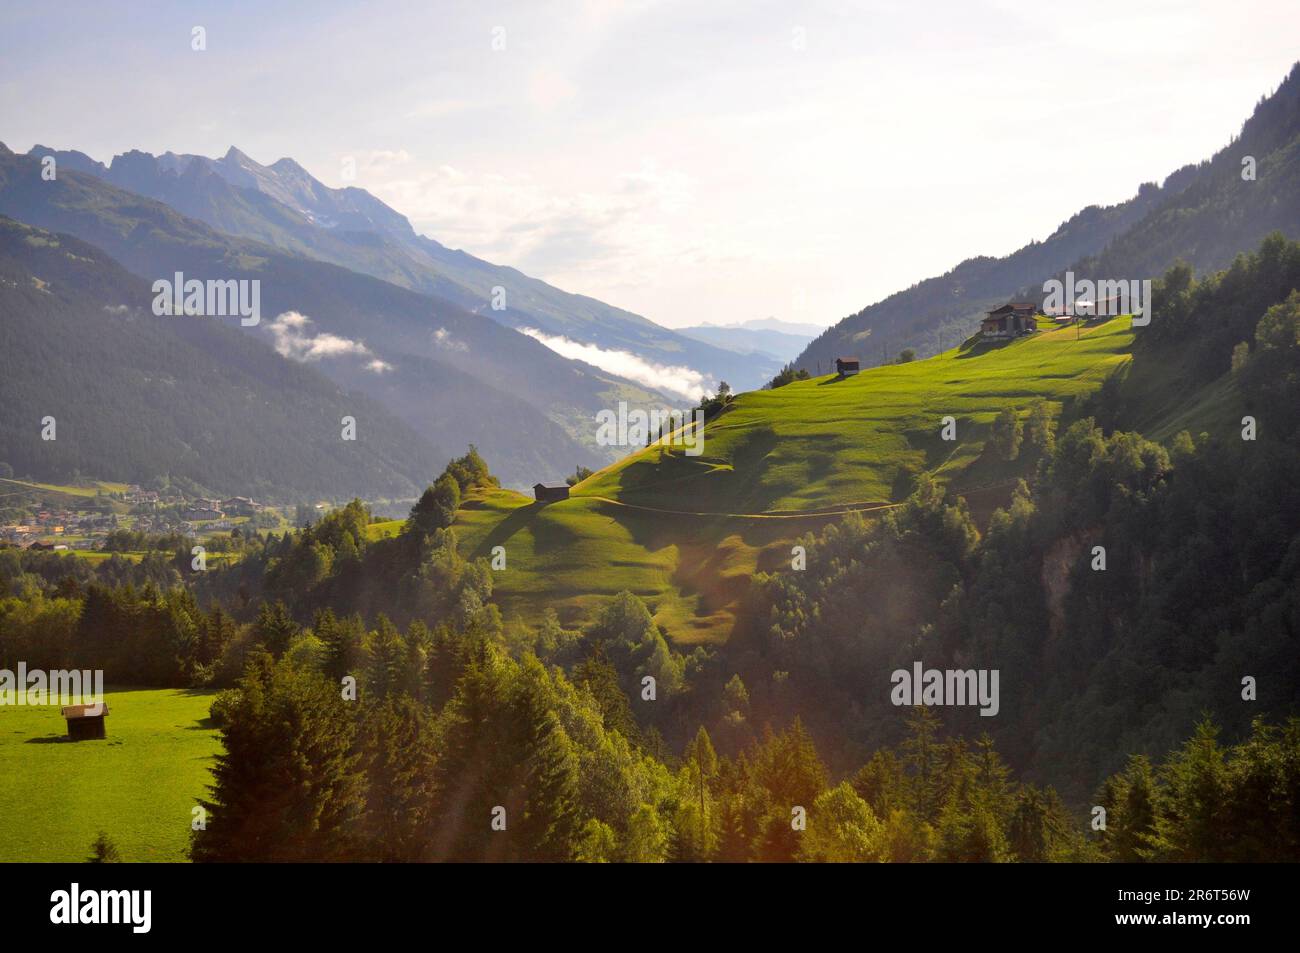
pixel 49 524
pixel 135 496
pixel 153 513
pixel 161 524
pixel 233 506
pixel 220 509
pixel 1021 317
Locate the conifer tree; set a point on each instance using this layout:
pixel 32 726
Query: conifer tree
pixel 274 628
pixel 399 761
pixel 287 786
pixel 646 841
pixel 384 673
pixel 549 825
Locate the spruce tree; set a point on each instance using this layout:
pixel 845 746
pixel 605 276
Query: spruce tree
pixel 287 785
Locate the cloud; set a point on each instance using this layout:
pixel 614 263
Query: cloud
pixel 679 379
pixel 294 340
pixel 443 339
pixel 437 109
pixel 548 88
pixel 594 239
pixel 379 366
pixel 382 161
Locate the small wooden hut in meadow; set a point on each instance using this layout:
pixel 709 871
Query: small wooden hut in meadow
pixel 549 494
pixel 86 722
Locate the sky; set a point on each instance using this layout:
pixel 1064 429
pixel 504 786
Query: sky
pixel 690 161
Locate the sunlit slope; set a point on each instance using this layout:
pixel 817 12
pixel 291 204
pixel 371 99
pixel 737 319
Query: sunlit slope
pixel 830 442
pixel 687 533
pixel 572 556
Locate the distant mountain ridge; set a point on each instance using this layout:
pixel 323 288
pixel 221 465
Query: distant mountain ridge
pixel 282 205
pixel 777 339
pixel 1204 214
pixel 774 324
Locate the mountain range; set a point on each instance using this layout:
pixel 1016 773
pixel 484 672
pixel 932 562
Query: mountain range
pixel 453 376
pixel 284 206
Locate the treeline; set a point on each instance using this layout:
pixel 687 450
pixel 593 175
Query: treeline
pixel 43 596
pixel 787 375
pixel 1209 803
pixel 481 757
pixel 333 564
pixel 140 623
pixel 135 541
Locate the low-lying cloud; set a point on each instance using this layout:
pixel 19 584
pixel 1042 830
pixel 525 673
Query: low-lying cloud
pixel 443 339
pixel 294 339
pixel 678 379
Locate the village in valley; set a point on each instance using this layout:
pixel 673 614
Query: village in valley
pixel 85 519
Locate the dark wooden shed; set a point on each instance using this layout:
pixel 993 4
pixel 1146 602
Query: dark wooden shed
pixel 86 722
pixel 548 494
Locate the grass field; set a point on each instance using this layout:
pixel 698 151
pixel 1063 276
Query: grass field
pixel 97 556
pixel 92 490
pixel 138 785
pixel 687 533
pixel 573 556
pixel 384 529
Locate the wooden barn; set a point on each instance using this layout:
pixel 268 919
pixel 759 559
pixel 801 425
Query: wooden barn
pixel 847 366
pixel 549 494
pixel 86 722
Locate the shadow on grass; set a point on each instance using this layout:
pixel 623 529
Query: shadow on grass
pixel 983 347
pixel 502 531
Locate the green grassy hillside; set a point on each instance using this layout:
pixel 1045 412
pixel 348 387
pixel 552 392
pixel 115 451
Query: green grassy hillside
pixel 686 533
pixel 138 785
pixel 384 529
pixel 90 490
pixel 20 493
pixel 829 442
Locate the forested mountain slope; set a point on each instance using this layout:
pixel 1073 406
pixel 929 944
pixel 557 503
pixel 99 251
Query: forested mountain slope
pixel 454 376
pixel 135 396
